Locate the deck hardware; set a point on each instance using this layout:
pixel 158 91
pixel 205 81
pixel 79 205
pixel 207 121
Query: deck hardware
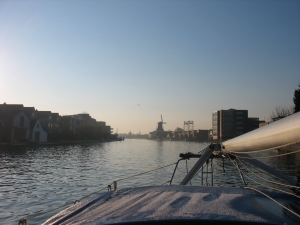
pixel 176 168
pixel 115 185
pixel 206 154
pixel 241 174
pixel 207 172
pixel 23 222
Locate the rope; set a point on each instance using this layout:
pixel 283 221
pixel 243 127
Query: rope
pixel 247 187
pixel 85 196
pixel 146 172
pixel 166 182
pixel 114 183
pixel 29 218
pixel 198 173
pixel 180 170
pixel 284 185
pixel 44 212
pixel 206 179
pixel 263 157
pixel 273 200
pixel 264 184
pixel 187 170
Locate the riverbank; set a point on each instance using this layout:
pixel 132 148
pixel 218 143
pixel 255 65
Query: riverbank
pixel 71 142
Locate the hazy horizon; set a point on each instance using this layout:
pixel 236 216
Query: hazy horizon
pixel 129 62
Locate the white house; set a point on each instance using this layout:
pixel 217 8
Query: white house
pixel 37 132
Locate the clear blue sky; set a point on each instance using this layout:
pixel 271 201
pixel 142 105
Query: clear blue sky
pixel 181 59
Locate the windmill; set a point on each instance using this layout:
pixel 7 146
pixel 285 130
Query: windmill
pixel 160 125
pixel 160 133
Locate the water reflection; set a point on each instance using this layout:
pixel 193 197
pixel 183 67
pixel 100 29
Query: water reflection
pixel 39 178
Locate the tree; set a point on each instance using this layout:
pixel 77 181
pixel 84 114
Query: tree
pixel 280 112
pixel 297 99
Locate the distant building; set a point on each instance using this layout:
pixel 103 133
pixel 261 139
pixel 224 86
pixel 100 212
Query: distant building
pixel 263 123
pixel 201 135
pixel 10 107
pixel 210 135
pixel 101 124
pixel 15 125
pixel 108 130
pixel 227 124
pixel 19 123
pixel 159 133
pixel 2 127
pixel 31 112
pixel 253 123
pixel 86 118
pixel 50 123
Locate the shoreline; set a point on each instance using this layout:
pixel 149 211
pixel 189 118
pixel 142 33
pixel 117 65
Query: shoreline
pixel 23 144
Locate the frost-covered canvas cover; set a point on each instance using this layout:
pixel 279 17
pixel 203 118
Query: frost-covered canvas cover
pixel 180 202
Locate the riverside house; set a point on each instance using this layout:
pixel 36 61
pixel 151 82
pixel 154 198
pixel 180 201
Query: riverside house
pixel 15 126
pixel 19 123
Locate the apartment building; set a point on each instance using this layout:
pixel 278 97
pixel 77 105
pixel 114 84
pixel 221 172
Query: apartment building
pixel 227 124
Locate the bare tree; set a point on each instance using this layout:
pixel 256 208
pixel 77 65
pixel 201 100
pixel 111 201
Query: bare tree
pixel 281 112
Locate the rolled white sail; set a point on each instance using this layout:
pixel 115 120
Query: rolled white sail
pixel 278 134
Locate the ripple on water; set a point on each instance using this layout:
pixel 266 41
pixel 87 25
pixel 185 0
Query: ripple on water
pixel 42 178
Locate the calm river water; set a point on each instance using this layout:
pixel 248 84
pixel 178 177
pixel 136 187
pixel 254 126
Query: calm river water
pixel 34 180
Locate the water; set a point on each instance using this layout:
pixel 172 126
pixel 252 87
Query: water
pixel 37 179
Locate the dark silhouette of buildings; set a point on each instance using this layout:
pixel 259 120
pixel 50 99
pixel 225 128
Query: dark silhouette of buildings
pixel 19 123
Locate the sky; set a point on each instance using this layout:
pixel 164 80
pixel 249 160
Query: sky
pixel 128 62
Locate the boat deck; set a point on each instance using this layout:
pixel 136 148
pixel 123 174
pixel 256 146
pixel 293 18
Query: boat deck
pixel 177 203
